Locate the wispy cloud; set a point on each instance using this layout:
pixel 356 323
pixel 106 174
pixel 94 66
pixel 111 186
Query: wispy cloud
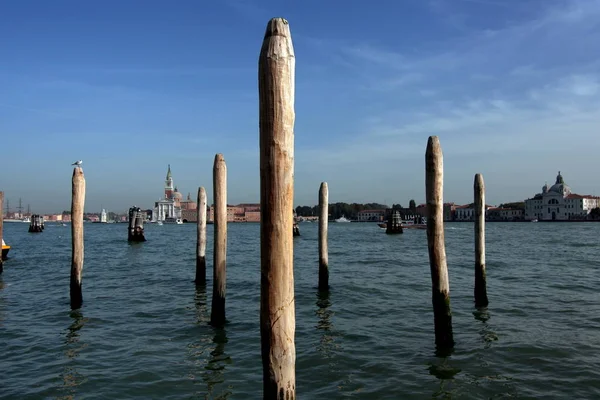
pixel 496 93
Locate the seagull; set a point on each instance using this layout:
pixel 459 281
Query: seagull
pixel 78 163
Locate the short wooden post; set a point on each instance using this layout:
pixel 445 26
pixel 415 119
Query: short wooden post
pixel 1 229
pixel 217 315
pixel 136 225
pixel 37 224
pixel 201 237
pixel 440 286
pixel 323 225
pixel 481 299
pixel 77 205
pixel 276 68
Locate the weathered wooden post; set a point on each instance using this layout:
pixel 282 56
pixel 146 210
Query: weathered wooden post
pixel 1 230
pixel 323 225
pixel 136 225
pixel 481 299
pixel 201 238
pixel 440 286
pixel 217 315
pixel 77 204
pixel 276 68
pixel 37 224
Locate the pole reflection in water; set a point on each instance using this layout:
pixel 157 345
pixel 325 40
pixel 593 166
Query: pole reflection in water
pixel 213 375
pixel 488 336
pixel 327 343
pixel 1 302
pixel 201 305
pixel 207 355
pixel 73 346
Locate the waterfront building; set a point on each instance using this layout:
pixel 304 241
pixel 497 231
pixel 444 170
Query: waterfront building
pixel 371 215
pixel 464 213
pixel 188 203
pixel 238 213
pixel 505 214
pixel 170 205
pixel 467 212
pixel 558 203
pixel 421 210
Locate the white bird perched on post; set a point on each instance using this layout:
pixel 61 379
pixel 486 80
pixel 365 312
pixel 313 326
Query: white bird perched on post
pixel 78 163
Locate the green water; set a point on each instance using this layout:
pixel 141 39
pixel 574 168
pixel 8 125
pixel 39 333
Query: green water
pixel 143 330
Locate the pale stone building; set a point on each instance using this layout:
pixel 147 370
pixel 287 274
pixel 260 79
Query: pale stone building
pixel 169 206
pixel 558 203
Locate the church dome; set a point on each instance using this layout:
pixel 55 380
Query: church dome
pixel 177 195
pixel 560 186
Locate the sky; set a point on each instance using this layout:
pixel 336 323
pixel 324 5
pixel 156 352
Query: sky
pixel 511 87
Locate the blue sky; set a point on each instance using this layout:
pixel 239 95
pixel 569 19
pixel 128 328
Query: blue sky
pixel 511 87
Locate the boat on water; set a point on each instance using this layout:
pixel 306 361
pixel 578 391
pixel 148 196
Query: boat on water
pixel 342 219
pixel 534 220
pixel 25 219
pixel 5 250
pixel 171 220
pixel 417 223
pixel 159 223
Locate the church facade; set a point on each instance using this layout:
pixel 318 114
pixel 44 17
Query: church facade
pixel 558 203
pixel 170 205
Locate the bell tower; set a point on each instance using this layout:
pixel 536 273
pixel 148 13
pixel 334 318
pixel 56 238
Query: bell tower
pixel 169 184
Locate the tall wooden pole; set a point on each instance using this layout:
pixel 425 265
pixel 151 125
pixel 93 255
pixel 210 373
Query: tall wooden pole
pixel 481 299
pixel 276 66
pixel 1 228
pixel 323 225
pixel 217 315
pixel 77 205
pixel 440 286
pixel 201 238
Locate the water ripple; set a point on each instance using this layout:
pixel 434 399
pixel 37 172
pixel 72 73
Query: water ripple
pixel 144 329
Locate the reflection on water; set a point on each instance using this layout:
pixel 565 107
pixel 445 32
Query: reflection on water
pixel 324 324
pixel 70 375
pixel 1 301
pixel 202 316
pixel 488 336
pixel 207 354
pixel 214 369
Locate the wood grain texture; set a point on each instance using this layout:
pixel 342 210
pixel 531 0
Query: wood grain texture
pixel 440 286
pixel 77 206
pixel 217 315
pixel 276 68
pixel 480 292
pixel 323 227
pixel 201 237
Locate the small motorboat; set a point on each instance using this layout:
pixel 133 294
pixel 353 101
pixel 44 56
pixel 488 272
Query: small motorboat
pixel 5 250
pixel 342 219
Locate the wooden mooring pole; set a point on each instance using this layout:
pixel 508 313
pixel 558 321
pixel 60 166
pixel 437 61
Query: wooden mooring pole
pixel 481 299
pixel 201 237
pixel 77 205
pixel 136 225
pixel 276 68
pixel 1 229
pixel 217 315
pixel 440 286
pixel 323 226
